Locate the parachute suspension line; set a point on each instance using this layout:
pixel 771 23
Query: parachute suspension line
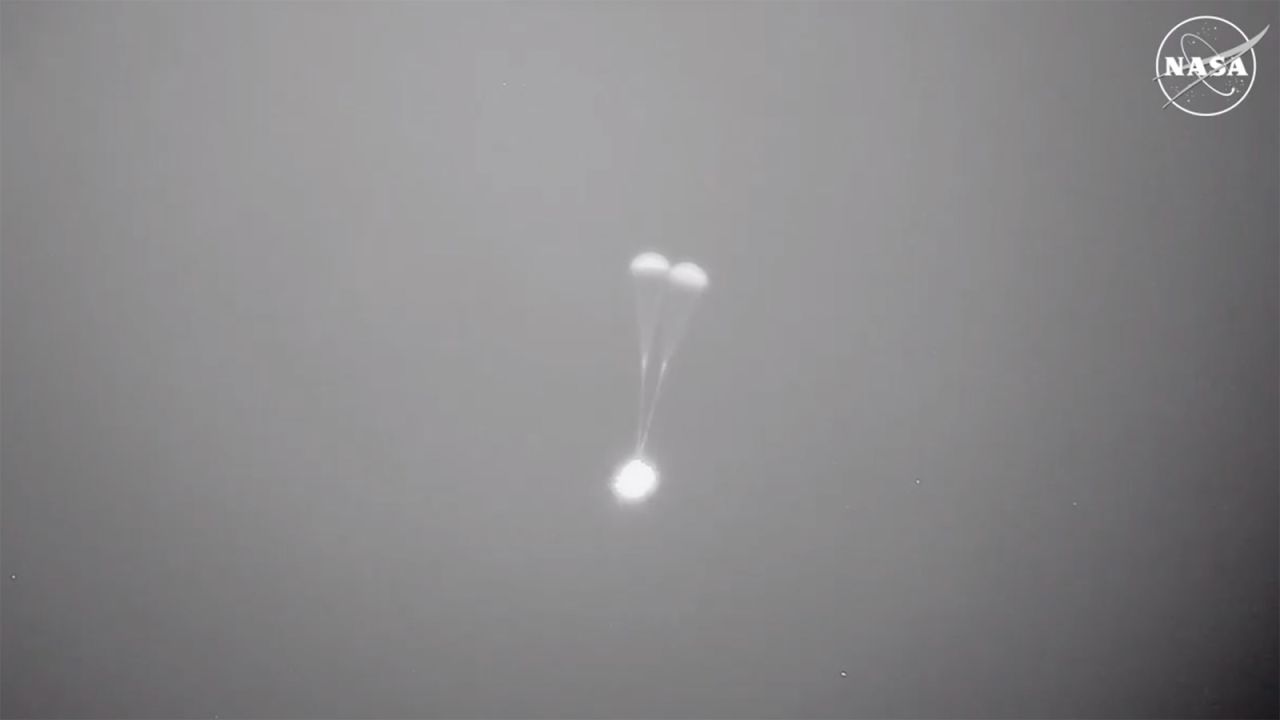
pixel 644 374
pixel 666 295
pixel 651 295
pixel 653 405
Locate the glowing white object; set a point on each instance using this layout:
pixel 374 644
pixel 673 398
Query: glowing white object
pixel 635 481
pixel 650 263
pixel 666 296
pixel 689 276
pixel 649 272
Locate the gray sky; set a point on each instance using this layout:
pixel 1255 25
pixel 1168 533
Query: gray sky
pixel 319 351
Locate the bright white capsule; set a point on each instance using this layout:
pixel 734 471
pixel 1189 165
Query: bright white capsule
pixel 635 481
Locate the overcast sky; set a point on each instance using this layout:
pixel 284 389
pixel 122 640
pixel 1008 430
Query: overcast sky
pixel 319 352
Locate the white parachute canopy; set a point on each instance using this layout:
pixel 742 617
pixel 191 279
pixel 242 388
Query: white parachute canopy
pixel 666 297
pixel 687 283
pixel 649 275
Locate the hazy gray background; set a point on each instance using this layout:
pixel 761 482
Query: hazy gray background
pixel 319 352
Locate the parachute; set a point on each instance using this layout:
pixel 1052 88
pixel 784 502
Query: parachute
pixel 649 273
pixel 666 297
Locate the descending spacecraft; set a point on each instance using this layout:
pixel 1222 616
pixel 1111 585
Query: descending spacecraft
pixel 666 296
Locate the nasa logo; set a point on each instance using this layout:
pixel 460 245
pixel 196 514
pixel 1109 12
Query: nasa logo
pixel 1206 65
